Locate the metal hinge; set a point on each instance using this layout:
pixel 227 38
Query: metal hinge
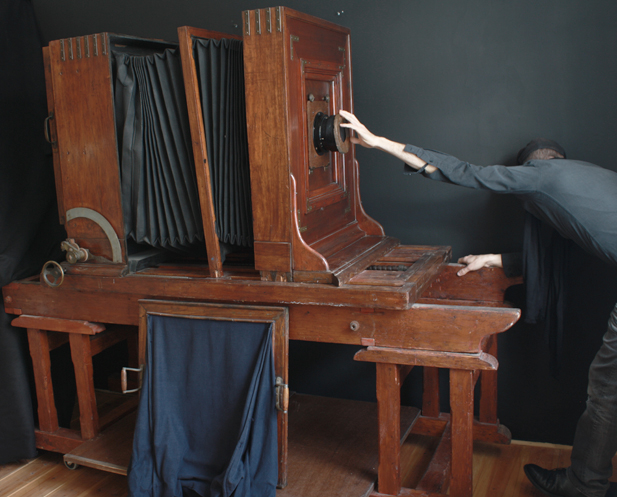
pixel 258 21
pixel 292 39
pixel 47 130
pixel 282 395
pixel 247 22
pixel 302 229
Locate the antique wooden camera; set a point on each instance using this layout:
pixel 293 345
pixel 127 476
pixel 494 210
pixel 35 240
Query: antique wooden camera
pixel 158 157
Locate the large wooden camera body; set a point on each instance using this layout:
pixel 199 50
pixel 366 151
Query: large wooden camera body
pixel 308 221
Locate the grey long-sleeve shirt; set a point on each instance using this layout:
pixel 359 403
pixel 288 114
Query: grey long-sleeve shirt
pixel 576 198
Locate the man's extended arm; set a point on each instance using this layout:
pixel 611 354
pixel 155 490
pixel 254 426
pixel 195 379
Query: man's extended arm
pixel 478 177
pixel 367 139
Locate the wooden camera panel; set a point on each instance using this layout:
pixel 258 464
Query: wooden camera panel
pixel 186 35
pixel 86 162
pixel 308 219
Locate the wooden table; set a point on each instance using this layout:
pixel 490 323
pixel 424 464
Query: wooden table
pixel 450 325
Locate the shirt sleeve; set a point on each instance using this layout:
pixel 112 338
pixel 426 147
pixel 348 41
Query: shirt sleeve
pixel 512 264
pixel 499 179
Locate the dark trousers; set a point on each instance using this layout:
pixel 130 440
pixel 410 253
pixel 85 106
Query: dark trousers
pixel 595 441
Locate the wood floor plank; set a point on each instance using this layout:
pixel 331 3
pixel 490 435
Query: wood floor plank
pixel 46 476
pixel 29 476
pixel 6 470
pixel 498 470
pixel 333 446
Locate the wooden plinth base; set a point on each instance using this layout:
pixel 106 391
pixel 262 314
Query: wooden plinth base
pixel 110 451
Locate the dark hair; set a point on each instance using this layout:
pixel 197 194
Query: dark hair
pixel 538 144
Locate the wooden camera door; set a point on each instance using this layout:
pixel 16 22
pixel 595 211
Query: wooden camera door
pixel 278 317
pixel 83 131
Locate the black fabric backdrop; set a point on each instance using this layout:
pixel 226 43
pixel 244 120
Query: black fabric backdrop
pixel 29 229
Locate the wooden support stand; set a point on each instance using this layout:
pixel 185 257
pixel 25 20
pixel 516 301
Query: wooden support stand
pixel 86 340
pixel 452 462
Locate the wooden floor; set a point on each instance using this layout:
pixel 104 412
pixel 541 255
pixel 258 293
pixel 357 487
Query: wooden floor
pixel 498 471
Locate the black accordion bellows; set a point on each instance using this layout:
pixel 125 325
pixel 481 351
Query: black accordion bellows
pixel 220 72
pixel 160 199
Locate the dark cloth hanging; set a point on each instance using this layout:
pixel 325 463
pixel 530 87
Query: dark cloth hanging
pixel 159 187
pixel 545 266
pixel 220 72
pixel 30 232
pixel 512 264
pixel 206 424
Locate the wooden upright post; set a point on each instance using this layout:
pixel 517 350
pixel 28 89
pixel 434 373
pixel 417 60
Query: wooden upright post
pixel 82 362
pixel 487 411
pixel 38 342
pixel 389 415
pixel 461 410
pixel 430 392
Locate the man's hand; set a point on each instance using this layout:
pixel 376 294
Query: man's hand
pixel 475 262
pixel 369 140
pixel 364 136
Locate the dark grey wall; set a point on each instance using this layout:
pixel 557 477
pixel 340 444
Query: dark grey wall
pixel 476 79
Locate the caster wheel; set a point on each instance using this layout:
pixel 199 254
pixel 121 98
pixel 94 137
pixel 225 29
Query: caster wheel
pixel 71 465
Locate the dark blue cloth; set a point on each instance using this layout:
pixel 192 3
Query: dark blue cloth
pixel 206 424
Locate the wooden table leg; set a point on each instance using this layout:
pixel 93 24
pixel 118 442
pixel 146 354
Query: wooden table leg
pixel 430 392
pixel 389 416
pixel 82 362
pixel 487 412
pixel 461 409
pixel 38 343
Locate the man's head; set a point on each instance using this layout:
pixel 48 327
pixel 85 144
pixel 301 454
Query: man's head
pixel 540 149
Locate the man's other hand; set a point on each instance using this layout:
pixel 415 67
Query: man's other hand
pixel 475 262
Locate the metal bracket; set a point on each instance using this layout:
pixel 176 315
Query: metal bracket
pixel 247 22
pixel 105 225
pixel 282 395
pixel 292 39
pixel 301 228
pixel 47 130
pixel 258 21
pixel 74 253
pixel 124 380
